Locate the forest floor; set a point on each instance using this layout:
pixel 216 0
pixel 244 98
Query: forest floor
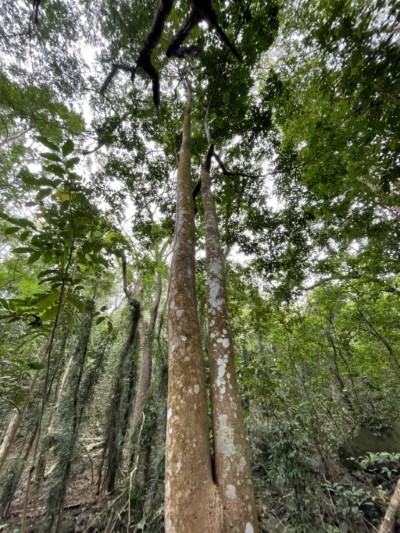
pixel 83 507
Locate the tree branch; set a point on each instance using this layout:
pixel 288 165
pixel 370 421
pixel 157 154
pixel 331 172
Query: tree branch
pixel 115 68
pixel 234 173
pixel 199 10
pixel 144 57
pixel 131 299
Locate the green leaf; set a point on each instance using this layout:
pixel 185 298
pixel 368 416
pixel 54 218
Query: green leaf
pixel 100 320
pixel 35 365
pixel 67 147
pixel 49 182
pixel 72 162
pixel 76 302
pixel 43 193
pixel 34 257
pixel 55 169
pixel 24 236
pixel 51 157
pixel 47 299
pixel 10 231
pixel 22 250
pixel 47 143
pixel 48 271
pixel 4 303
pixel 29 180
pixel 19 398
pixel 22 222
pixel 50 314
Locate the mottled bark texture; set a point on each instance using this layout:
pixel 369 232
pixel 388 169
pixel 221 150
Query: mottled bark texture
pixel 232 465
pixel 143 419
pixel 192 501
pixel 66 422
pixel 112 451
pixel 389 522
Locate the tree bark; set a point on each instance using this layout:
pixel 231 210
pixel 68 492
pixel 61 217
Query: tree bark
pixel 112 452
pixel 15 423
pixel 192 501
pixel 389 521
pixel 146 334
pixel 67 418
pixel 232 465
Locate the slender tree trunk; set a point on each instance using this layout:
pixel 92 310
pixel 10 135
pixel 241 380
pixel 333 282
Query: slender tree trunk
pixel 232 465
pixel 15 423
pixel 192 502
pixel 112 445
pixel 146 335
pixel 42 453
pixel 154 480
pixel 67 421
pixel 389 522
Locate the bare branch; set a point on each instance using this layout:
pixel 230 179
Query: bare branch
pixel 115 68
pixel 144 57
pixel 234 173
pixel 36 5
pixel 199 10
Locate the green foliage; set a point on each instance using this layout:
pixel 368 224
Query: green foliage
pixel 68 235
pixel 349 502
pixel 307 127
pixel 67 424
pixel 388 463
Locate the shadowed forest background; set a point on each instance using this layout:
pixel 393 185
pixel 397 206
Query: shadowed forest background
pixel 283 119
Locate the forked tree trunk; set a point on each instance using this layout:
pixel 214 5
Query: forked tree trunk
pixel 192 502
pixel 232 465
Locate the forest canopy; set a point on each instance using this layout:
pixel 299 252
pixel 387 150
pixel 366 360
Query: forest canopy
pixel 199 266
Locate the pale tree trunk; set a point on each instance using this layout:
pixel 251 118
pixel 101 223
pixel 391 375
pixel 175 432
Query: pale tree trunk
pixel 232 465
pixel 389 522
pixel 192 502
pixel 15 423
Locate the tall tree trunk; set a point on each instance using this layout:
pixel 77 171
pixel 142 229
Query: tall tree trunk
pixel 232 465
pixel 192 502
pixel 112 446
pixel 146 335
pixel 154 480
pixel 67 419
